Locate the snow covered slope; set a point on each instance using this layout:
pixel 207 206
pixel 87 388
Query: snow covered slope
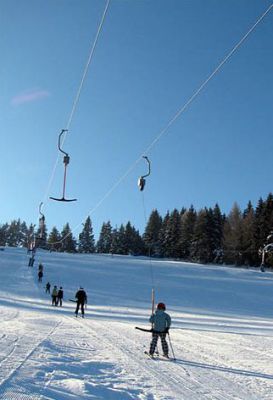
pixel 222 331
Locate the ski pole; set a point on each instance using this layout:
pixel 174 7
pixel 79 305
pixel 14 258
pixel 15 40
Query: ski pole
pixel 171 345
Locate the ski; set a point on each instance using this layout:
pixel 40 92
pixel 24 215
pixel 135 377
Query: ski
pixel 159 357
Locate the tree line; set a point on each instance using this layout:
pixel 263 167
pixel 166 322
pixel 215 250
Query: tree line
pixel 205 236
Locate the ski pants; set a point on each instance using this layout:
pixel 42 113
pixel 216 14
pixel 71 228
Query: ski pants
pixel 60 301
pixel 164 344
pixel 79 304
pixel 54 300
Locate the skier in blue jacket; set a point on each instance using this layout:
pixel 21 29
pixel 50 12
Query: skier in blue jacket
pixel 161 322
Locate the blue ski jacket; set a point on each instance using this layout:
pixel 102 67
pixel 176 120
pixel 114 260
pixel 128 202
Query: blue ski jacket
pixel 160 320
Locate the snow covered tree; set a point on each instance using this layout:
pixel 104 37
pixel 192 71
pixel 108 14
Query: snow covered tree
pixel 86 238
pixel 105 239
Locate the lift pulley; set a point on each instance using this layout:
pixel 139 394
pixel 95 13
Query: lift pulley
pixel 66 162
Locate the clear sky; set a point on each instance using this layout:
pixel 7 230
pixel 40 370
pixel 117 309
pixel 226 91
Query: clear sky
pixel 150 58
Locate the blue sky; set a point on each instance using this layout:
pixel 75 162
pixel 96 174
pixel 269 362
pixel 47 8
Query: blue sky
pixel 150 58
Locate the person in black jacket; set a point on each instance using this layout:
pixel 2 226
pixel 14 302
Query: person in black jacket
pixel 60 296
pixel 81 299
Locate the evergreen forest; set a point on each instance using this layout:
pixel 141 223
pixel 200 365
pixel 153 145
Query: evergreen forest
pixel 203 236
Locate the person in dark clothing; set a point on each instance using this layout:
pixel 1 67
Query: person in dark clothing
pixel 60 297
pixel 48 287
pixel 54 296
pixel 81 298
pixel 40 276
pixel 31 261
pixel 161 322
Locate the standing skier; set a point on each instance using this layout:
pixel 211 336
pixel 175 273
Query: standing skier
pixel 81 301
pixel 60 296
pixel 54 296
pixel 48 287
pixel 40 276
pixel 161 322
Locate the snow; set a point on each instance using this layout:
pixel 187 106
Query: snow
pixel 222 331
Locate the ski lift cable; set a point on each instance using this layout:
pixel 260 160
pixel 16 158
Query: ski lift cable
pixel 77 97
pixel 178 113
pixel 150 258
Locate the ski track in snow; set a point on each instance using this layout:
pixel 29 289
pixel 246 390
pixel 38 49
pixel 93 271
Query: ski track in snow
pixel 48 354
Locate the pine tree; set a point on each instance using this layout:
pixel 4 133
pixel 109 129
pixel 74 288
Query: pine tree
pixel 163 239
pixel 151 234
pixel 4 234
pixel 54 239
pixel 218 222
pixel 249 253
pixel 201 249
pixel 122 242
pixel 68 242
pixel 172 235
pixel 233 236
pixel 86 238
pixel 14 237
pixel 115 242
pixel 105 239
pixel 188 220
pixel 134 243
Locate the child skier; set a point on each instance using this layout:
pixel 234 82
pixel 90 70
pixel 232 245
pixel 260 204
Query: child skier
pixel 48 287
pixel 40 276
pixel 161 322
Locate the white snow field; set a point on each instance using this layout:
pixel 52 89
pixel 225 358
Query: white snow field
pixel 222 331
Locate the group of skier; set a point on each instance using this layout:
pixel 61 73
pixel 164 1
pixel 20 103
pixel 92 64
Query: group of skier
pixel 160 320
pixel 58 294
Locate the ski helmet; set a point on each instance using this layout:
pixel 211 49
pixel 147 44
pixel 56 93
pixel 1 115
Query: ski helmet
pixel 161 306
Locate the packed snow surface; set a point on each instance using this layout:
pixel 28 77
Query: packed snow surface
pixel 222 332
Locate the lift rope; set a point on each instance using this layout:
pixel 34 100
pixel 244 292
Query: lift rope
pixel 77 97
pixel 177 115
pixel 141 184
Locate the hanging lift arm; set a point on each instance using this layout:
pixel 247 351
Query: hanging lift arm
pixel 66 160
pixel 141 180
